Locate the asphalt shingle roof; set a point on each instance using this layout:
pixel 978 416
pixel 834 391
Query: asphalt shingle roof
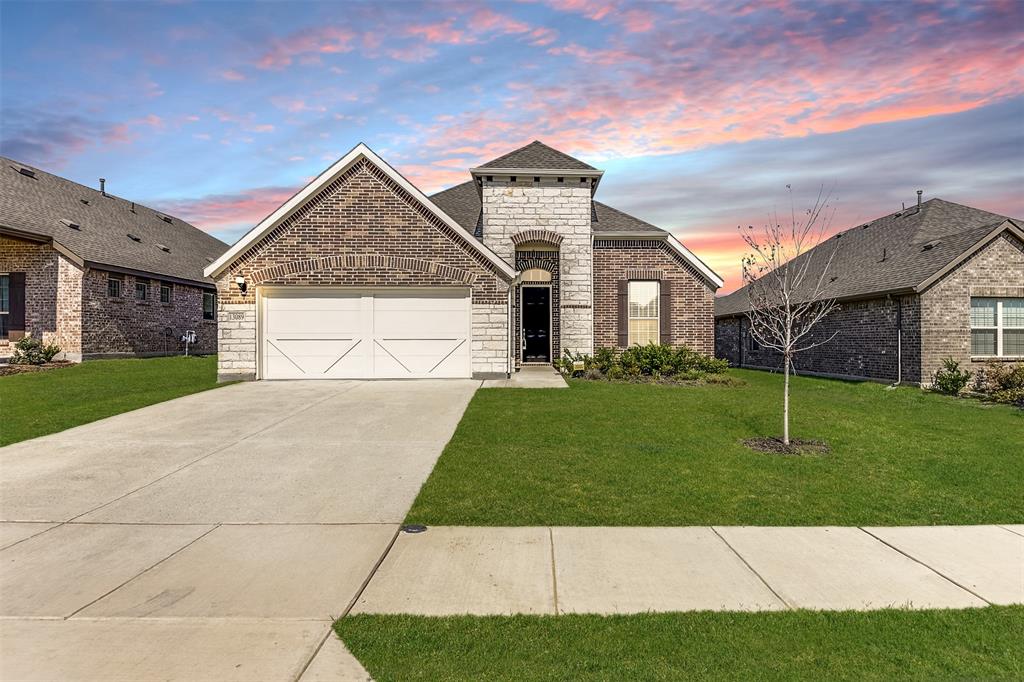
pixel 44 205
pixel 540 156
pixel 462 203
pixel 893 253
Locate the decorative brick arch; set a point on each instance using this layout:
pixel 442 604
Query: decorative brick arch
pixel 355 261
pixel 537 236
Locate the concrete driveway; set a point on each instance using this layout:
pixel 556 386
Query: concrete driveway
pixel 214 536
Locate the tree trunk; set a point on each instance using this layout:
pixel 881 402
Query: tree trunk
pixel 785 402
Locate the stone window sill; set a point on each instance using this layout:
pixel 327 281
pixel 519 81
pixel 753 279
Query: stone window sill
pixel 146 303
pixel 995 358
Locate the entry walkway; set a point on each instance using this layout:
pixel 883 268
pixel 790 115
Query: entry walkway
pixel 489 571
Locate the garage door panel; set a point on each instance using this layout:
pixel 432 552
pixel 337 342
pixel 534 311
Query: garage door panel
pixel 366 335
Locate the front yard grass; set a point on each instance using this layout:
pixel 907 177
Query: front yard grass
pixel 797 645
pixel 40 403
pixel 627 454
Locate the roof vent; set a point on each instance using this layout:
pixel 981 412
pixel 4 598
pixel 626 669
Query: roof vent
pixel 209 260
pixel 27 172
pixel 165 218
pixel 70 223
pixel 931 245
pixel 84 201
pixel 134 238
pixel 164 248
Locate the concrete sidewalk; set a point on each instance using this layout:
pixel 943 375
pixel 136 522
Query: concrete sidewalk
pixel 490 571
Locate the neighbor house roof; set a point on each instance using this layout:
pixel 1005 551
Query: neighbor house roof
pixel 462 202
pixel 538 156
pixel 902 252
pixel 101 229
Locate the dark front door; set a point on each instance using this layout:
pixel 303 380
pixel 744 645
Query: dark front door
pixel 536 324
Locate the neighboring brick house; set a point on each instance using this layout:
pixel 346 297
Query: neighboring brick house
pixel 97 275
pixel 938 280
pixel 361 275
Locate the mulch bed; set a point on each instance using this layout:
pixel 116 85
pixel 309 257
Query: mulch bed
pixel 796 446
pixel 7 370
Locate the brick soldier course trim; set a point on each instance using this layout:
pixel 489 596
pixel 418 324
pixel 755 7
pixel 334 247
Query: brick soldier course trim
pixel 537 236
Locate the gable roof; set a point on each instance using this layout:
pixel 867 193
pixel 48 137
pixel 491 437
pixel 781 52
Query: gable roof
pixel 360 151
pixel 462 202
pixel 93 227
pixel 900 252
pixel 539 156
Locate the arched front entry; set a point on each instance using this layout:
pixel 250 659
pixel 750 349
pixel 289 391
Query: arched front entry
pixel 537 318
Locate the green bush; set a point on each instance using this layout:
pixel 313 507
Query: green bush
pixel 1002 383
pixel 32 351
pixel 657 361
pixel 950 379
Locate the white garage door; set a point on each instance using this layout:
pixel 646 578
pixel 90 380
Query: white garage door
pixel 333 334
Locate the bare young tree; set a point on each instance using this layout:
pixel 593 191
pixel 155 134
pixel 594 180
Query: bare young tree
pixel 789 285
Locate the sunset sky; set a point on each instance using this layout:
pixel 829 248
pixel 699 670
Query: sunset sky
pixel 700 112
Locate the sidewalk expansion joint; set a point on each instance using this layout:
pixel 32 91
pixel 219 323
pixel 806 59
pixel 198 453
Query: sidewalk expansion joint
pixel 751 568
pixel 930 568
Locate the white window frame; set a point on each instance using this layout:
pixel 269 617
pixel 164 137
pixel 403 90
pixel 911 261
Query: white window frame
pixel 145 290
pixel 120 286
pixel 165 286
pixel 213 307
pixel 998 328
pixel 630 317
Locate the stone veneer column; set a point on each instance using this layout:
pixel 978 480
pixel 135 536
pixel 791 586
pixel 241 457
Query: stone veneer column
pixel 564 208
pixel 236 341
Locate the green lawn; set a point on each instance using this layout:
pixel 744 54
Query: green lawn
pixel 46 402
pixel 624 454
pixel 797 645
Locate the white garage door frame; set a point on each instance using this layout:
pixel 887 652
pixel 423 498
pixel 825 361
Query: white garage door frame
pixel 264 292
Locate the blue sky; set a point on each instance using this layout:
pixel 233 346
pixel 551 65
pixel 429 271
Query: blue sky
pixel 700 112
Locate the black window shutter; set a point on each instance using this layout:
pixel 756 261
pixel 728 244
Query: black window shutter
pixel 16 317
pixel 623 313
pixel 665 313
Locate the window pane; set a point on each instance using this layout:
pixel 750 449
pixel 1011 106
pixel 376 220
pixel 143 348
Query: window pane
pixel 140 291
pixel 1013 312
pixel 3 326
pixel 165 294
pixel 5 293
pixel 1013 342
pixel 209 303
pixel 643 299
pixel 113 287
pixel 642 332
pixel 983 342
pixel 983 312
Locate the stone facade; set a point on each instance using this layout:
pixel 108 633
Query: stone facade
pixel 125 325
pixel 933 325
pixel 996 270
pixel 693 300
pixel 512 208
pixel 362 230
pixel 52 294
pixel 68 306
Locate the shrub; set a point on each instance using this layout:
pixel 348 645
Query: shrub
pixel 950 379
pixel 32 351
pixel 1002 383
pixel 657 361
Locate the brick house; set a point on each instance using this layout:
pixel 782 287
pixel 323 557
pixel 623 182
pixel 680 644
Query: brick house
pixel 934 281
pixel 98 275
pixel 360 275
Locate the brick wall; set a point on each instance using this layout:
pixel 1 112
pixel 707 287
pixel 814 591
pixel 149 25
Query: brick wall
pixel 864 341
pixel 52 293
pixel 362 230
pixel 995 270
pixel 692 313
pixel 124 325
pixel 510 209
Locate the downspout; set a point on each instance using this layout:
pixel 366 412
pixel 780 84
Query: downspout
pixel 899 335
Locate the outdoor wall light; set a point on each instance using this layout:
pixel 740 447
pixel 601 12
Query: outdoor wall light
pixel 240 281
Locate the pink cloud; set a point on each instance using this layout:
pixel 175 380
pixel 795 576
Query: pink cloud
pixel 322 40
pixel 227 211
pixel 232 75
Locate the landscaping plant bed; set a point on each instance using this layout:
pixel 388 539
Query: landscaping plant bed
pixel 796 446
pixel 8 369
